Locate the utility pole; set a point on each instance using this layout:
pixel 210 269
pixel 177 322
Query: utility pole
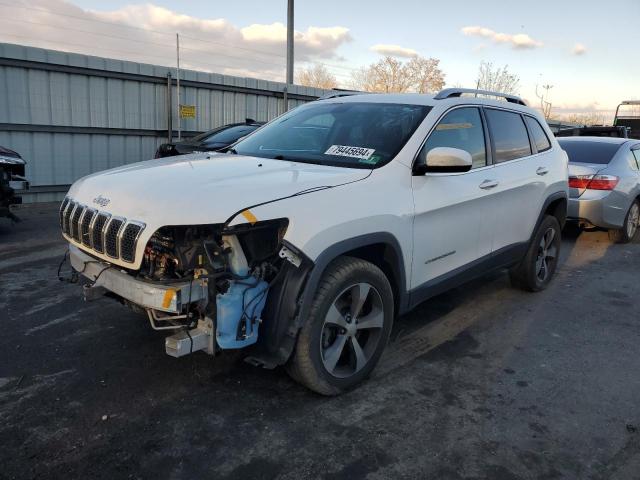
pixel 290 30
pixel 290 42
pixel 178 84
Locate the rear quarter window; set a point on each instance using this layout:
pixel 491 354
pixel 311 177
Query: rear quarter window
pixel 539 137
pixel 589 152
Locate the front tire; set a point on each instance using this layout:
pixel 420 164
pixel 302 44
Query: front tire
pixel 539 264
pixel 630 227
pixel 347 329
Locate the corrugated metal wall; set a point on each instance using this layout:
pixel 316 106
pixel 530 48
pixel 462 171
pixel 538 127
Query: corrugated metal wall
pixel 70 115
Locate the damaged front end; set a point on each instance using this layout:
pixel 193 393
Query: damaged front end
pixel 215 287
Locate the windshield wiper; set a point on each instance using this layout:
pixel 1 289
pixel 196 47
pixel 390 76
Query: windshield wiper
pixel 230 150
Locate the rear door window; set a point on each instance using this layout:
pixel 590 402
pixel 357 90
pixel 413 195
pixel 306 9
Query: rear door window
pixel 510 137
pixel 540 139
pixel 589 152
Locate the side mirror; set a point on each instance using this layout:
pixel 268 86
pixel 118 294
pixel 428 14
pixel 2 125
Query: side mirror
pixel 445 160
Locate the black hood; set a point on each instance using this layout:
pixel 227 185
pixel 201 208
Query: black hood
pixel 9 157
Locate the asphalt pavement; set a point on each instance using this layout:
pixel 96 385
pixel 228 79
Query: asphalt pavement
pixel 482 382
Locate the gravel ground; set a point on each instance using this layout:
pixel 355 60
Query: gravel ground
pixel 483 382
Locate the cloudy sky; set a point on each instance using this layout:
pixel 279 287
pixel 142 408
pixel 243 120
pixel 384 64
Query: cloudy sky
pixel 586 51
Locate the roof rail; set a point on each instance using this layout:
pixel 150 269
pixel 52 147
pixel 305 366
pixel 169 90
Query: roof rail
pixel 457 92
pixel 340 93
pixel 630 102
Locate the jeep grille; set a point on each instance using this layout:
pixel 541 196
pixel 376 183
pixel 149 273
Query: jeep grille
pixel 99 231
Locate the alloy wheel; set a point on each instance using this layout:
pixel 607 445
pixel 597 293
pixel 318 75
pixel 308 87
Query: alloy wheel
pixel 352 330
pixel 547 253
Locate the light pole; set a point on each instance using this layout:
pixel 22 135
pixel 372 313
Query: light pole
pixel 289 79
pixel 289 42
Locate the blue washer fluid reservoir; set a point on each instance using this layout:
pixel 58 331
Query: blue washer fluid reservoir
pixel 238 311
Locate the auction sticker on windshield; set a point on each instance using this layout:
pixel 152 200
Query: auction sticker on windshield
pixel 353 152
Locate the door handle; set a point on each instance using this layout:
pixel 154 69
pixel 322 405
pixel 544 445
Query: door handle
pixel 542 171
pixel 488 184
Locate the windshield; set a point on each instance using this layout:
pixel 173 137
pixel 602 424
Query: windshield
pixel 589 152
pixel 229 135
pixel 350 134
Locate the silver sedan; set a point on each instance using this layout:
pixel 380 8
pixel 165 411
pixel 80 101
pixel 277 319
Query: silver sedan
pixel 604 181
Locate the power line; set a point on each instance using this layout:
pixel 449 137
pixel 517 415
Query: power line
pixel 129 52
pixel 139 41
pixel 95 20
pixel 120 25
pixel 125 52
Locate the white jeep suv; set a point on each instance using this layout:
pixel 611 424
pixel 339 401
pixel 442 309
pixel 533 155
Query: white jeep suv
pixel 306 239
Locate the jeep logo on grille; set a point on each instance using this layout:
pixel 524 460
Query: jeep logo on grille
pixel 102 201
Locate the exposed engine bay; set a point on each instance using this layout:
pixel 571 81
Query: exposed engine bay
pixel 229 273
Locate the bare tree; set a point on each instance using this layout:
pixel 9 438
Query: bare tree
pixel 497 79
pixel 545 100
pixel 391 75
pixel 316 76
pixel 425 74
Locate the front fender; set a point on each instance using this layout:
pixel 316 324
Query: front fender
pixel 289 301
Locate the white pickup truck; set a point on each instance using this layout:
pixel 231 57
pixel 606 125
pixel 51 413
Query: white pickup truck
pixel 306 239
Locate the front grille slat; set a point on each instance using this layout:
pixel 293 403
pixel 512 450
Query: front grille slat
pixel 63 206
pixel 85 238
pixel 67 217
pixel 98 234
pixel 99 231
pixel 111 237
pixel 75 222
pixel 129 240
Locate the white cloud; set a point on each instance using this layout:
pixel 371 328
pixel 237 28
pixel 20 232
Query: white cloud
pixel 394 50
pixel 519 41
pixel 146 33
pixel 579 49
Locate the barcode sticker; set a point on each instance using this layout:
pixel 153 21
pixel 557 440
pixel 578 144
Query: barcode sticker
pixel 353 152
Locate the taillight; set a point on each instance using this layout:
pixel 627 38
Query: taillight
pixel 603 182
pixel 593 182
pixel 580 181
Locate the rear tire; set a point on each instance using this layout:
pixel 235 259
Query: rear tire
pixel 630 226
pixel 347 328
pixel 537 268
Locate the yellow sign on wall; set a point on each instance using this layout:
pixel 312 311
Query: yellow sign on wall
pixel 187 111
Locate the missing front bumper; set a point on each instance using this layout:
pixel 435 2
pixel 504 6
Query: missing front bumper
pixel 169 298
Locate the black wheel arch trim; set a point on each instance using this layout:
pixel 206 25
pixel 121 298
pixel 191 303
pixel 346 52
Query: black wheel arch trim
pixel 554 197
pixel 289 302
pixel 347 245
